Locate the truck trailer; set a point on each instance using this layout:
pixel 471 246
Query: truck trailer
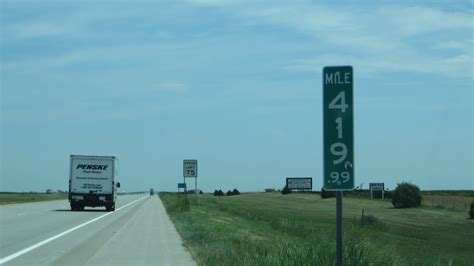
pixel 92 182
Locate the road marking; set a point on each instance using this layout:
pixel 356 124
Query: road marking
pixel 37 245
pixel 20 214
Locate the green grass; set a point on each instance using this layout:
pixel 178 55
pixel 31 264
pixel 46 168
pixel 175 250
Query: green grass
pixel 299 229
pixel 12 197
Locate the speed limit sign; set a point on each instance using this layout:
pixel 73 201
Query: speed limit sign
pixel 190 168
pixel 338 128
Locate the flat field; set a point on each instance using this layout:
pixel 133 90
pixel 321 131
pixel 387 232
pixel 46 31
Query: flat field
pixel 299 229
pixel 461 203
pixel 12 197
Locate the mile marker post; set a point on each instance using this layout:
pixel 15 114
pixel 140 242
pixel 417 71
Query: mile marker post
pixel 339 232
pixel 338 140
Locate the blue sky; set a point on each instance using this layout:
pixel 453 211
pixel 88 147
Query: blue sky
pixel 236 85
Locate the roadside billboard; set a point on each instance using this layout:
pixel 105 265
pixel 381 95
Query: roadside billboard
pixel 305 183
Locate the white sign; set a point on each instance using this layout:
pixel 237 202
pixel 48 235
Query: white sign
pixel 376 186
pixel 190 168
pixel 92 174
pixel 299 182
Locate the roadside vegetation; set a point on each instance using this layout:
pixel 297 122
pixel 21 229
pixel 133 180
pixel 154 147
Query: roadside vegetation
pixel 406 195
pixel 471 211
pixel 459 193
pixel 14 197
pixel 299 229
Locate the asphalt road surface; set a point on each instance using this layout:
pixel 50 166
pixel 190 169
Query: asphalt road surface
pixel 139 232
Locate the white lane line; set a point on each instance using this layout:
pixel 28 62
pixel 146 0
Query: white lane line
pixel 37 245
pixel 20 214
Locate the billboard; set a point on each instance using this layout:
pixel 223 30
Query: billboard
pixel 376 186
pixel 299 183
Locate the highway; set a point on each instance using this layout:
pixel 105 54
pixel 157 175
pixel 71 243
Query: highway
pixel 139 232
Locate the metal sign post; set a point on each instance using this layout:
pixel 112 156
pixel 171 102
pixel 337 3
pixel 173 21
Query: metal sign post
pixel 185 187
pixel 339 232
pixel 338 138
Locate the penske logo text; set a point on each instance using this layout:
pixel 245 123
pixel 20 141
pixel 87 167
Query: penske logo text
pixel 92 166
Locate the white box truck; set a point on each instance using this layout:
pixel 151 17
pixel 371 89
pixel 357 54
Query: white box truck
pixel 92 182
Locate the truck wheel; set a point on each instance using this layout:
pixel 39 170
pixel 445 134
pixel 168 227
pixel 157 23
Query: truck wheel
pixel 108 207
pixel 113 207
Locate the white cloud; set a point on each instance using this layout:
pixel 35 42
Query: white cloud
pixel 379 38
pixel 409 21
pixel 455 67
pixel 379 28
pixel 99 54
pixel 172 86
pixel 211 2
pixel 464 58
pixel 35 29
pixel 465 46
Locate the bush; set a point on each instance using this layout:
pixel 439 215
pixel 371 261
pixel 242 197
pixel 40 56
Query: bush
pixel 235 192
pixel 286 190
pixel 229 193
pixel 370 220
pixel 327 194
pixel 218 193
pixel 471 212
pixel 406 195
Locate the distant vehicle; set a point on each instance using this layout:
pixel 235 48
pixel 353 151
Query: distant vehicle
pixel 152 191
pixel 92 182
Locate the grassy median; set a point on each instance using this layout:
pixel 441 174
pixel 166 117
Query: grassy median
pixel 14 197
pixel 299 229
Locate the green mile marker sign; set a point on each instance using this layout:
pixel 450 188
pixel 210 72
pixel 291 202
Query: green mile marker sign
pixel 338 128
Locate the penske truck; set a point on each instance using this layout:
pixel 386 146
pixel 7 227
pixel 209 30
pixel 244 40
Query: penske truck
pixel 92 182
